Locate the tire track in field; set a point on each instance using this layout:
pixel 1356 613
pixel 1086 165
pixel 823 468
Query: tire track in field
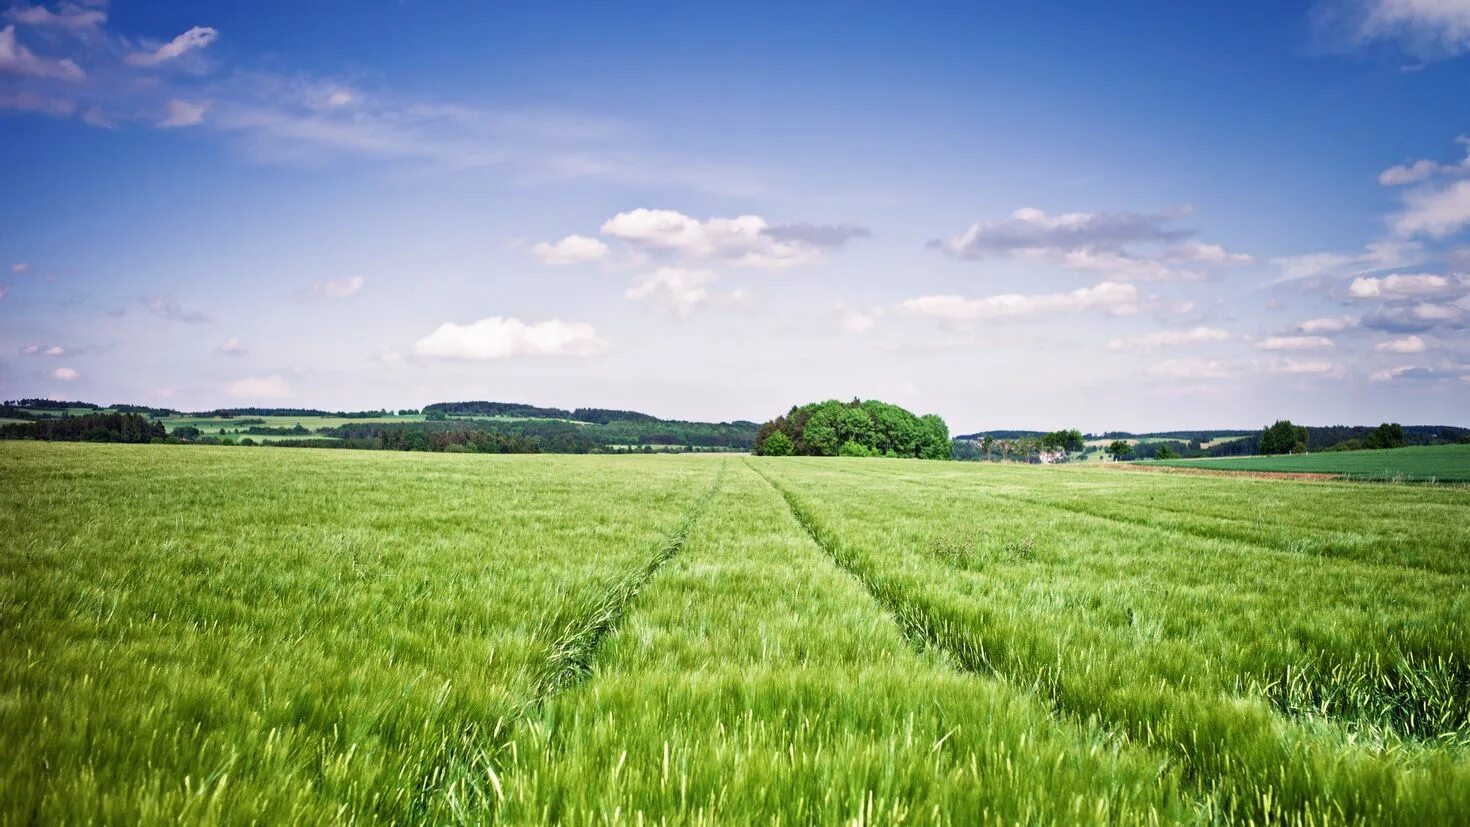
pixel 1177 529
pixel 1203 767
pixel 572 656
pixel 569 662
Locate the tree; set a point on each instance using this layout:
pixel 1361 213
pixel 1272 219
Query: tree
pixel 1165 452
pixel 1284 438
pixel 988 443
pixel 775 444
pixel 1119 448
pixel 1387 435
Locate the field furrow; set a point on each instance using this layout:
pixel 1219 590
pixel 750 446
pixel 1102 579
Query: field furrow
pixel 757 677
pixel 1151 649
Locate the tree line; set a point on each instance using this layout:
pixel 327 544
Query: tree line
pixel 100 427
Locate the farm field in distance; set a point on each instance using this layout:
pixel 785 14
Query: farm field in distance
pixel 297 636
pixel 1445 463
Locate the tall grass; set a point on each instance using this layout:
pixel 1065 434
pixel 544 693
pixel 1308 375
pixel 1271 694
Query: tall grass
pixel 209 635
pixel 1177 640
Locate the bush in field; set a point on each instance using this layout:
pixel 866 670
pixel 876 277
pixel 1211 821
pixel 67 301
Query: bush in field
pixel 1165 452
pixel 1387 435
pixel 833 428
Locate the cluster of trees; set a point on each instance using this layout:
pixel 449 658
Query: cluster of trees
pixel 1025 446
pixel 856 428
pixel 230 413
pixel 47 404
pixel 100 427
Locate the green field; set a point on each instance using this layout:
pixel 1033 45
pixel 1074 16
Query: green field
pixel 210 635
pixel 1444 463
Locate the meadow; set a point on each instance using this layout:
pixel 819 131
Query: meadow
pixel 213 634
pixel 1422 463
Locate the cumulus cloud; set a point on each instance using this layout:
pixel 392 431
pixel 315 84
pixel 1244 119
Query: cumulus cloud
pixel 181 113
pixel 15 58
pixel 342 288
pixel 1408 344
pixel 1416 317
pixel 191 40
pixel 262 387
pixel 1333 324
pixel 574 249
pixel 820 235
pixel 745 240
pixel 68 17
pixel 168 308
pixel 498 337
pixel 1095 243
pixel 65 374
pixel 1379 255
pixel 856 320
pixel 1206 253
pixel 1294 343
pixel 1435 212
pixel 1192 369
pixel 1427 29
pixel 676 289
pixel 231 347
pixel 44 350
pixel 1108 297
pixel 1172 338
pixel 1420 372
pixel 1033 229
pixel 1399 286
pixel 20 267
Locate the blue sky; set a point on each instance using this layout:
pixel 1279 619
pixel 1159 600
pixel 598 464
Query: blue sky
pixel 1136 216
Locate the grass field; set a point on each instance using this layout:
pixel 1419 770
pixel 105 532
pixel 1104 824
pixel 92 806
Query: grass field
pixel 297 636
pixel 1446 463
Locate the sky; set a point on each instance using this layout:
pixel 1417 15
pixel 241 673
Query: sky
pixel 1132 216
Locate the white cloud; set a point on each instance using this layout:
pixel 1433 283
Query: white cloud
pixel 3 291
pixel 342 288
pixel 498 337
pixel 574 249
pixel 745 240
pixel 1172 338
pixel 1093 243
pixel 20 267
pixel 231 347
pixel 168 308
pixel 184 113
pixel 1398 286
pixel 1109 297
pixel 1206 253
pixel 855 320
pixel 1294 366
pixel 1408 344
pixel 64 374
pixel 195 38
pixel 1379 255
pixel 1425 28
pixel 68 17
pixel 265 387
pixel 43 350
pixel 1435 212
pixel 1294 343
pixel 17 59
pixel 1191 369
pixel 1335 324
pixel 676 289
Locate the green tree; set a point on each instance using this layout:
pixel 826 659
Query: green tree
pixel 776 444
pixel 1387 435
pixel 1119 449
pixel 1284 438
pixel 1165 452
pixel 989 444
